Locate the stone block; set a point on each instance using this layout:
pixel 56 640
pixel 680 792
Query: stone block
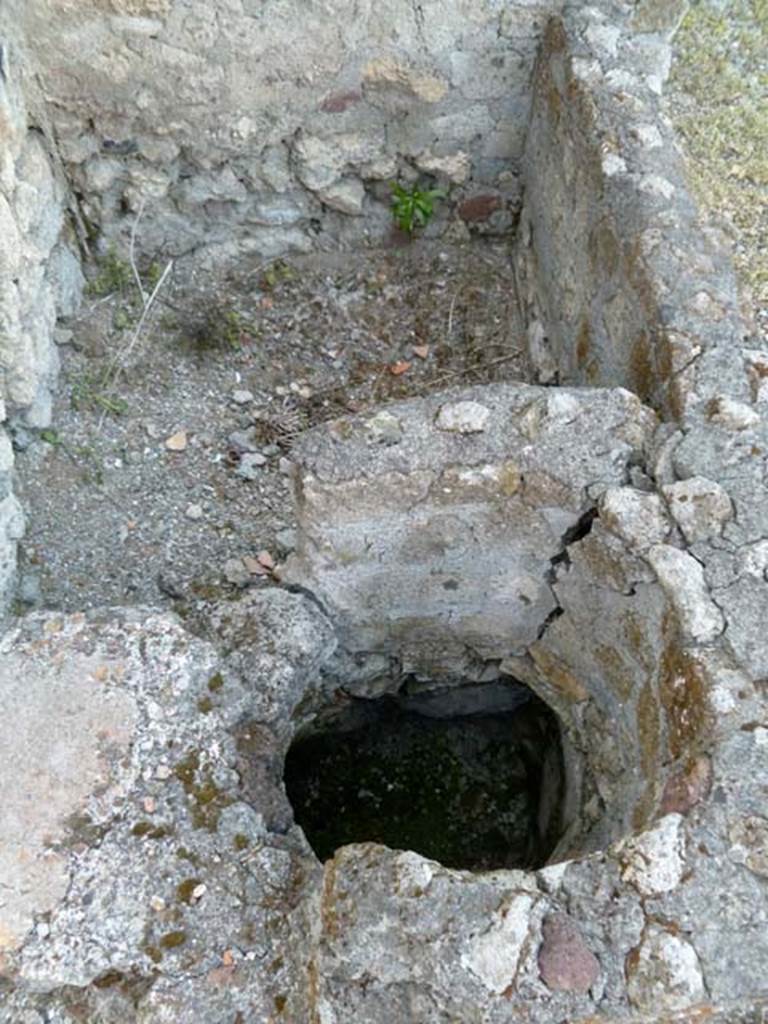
pixel 438 539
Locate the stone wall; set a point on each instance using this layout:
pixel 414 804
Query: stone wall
pixel 268 127
pixel 40 276
pixel 623 285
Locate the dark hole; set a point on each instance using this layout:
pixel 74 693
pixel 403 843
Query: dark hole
pixel 478 791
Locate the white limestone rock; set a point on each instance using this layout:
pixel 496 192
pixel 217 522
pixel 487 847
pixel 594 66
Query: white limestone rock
pixel 699 506
pixel 654 861
pixel 463 418
pixel 666 973
pixel 682 579
pixel 638 518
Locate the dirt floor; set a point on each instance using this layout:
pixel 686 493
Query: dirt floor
pixel 165 478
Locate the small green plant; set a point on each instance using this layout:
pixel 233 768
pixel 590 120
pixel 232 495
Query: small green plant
pixel 276 273
pixel 114 276
pixel 413 208
pixel 50 437
pixel 89 391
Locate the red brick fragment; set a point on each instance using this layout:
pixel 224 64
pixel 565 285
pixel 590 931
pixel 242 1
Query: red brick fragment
pixel 566 964
pixel 338 102
pixel 479 207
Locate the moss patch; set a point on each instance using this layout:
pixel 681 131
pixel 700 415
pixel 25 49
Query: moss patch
pixel 208 801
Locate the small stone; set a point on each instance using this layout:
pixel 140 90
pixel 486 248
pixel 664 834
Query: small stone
pixel 388 77
pixel 638 518
pixel 749 838
pixel 463 418
pixel 654 861
pixel 346 196
pixel 163 772
pixel 455 167
pixel 648 135
pixel 198 892
pixel 664 973
pixel 157 903
pixel 169 584
pixel 30 592
pixel 242 396
pixel 555 410
pixel 479 208
pixel 338 102
pixel 21 438
pixel 42 929
pixel 301 389
pixel 254 566
pixel 243 441
pixel 236 573
pixel 682 580
pixel 384 428
pixel 152 429
pixel 265 558
pixel 149 804
pixel 655 185
pixel 285 466
pixel 63 336
pixel 732 414
pixel 566 964
pixel 699 506
pixel 194 512
pixel 613 164
pixel 177 442
pixel 249 465
pixel 604 39
pixel 285 541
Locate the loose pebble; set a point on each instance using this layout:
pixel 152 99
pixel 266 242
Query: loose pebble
pixel 235 572
pixel 249 465
pixel 242 396
pixel 177 442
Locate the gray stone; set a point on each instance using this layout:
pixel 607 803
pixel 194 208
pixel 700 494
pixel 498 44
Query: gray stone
pixel 346 196
pixel 243 440
pixel 463 417
pixel 242 396
pixel 250 465
pixel 286 541
pixel 384 428
pixel 682 579
pixel 236 573
pixel 700 507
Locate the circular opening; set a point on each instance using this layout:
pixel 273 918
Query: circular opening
pixel 438 773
